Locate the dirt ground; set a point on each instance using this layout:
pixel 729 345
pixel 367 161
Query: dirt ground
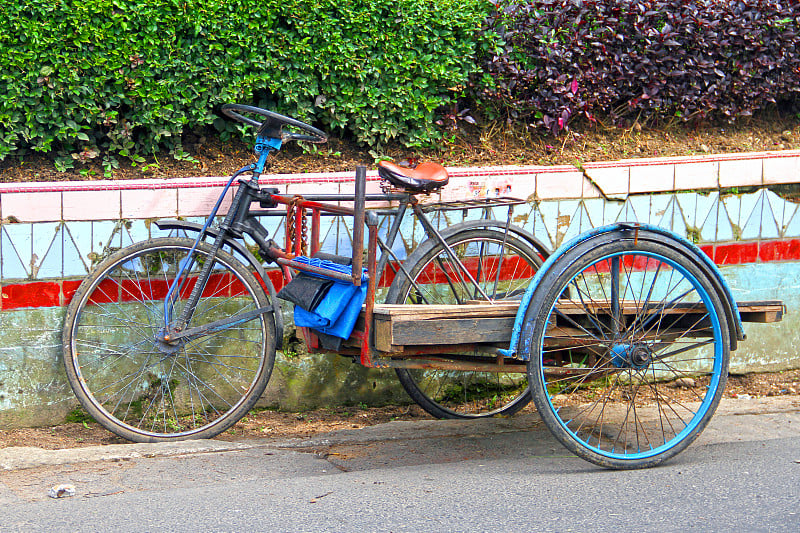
pixel 492 144
pixel 265 424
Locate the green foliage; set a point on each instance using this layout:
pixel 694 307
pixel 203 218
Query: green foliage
pixel 129 77
pixel 633 60
pixel 78 416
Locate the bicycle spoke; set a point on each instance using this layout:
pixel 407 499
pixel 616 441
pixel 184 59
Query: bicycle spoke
pixel 144 388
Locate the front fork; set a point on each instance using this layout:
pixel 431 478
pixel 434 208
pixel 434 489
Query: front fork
pixel 246 192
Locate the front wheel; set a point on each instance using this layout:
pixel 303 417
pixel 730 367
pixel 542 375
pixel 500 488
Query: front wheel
pixel 502 266
pixel 629 351
pixel 144 389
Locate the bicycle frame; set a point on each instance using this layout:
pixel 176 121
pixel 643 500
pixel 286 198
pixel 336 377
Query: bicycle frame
pixel 242 220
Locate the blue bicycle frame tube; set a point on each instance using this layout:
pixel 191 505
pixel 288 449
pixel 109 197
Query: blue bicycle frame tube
pixel 264 146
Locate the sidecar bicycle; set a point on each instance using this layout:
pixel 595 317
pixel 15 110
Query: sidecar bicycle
pixel 622 336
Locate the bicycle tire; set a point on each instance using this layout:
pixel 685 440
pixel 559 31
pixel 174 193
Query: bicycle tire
pixel 145 390
pixel 466 394
pixel 626 389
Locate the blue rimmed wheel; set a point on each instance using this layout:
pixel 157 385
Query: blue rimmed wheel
pixel 629 350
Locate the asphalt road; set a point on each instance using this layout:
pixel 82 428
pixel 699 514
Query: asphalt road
pixel 496 475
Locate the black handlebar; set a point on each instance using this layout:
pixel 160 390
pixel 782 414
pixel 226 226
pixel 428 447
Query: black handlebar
pixel 273 123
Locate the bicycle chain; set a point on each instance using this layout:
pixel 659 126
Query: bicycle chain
pixel 290 225
pixel 304 232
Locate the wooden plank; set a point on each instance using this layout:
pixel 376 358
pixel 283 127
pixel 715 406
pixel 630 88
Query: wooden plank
pixel 450 364
pixel 420 325
pixel 758 310
pixel 402 312
pixel 451 331
pixel 764 311
pixel 763 317
pixel 383 335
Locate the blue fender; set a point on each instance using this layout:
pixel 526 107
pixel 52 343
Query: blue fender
pixel 642 232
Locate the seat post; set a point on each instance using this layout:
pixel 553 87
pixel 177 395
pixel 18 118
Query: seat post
pixel 358 223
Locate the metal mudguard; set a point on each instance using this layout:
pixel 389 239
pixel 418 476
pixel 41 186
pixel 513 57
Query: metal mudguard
pixel 640 232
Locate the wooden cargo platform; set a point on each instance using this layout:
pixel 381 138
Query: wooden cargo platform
pixel 415 328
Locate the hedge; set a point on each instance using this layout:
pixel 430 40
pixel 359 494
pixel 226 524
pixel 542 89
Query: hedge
pixel 131 76
pixel 655 59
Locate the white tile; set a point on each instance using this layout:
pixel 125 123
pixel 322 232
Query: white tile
pixel 708 223
pixel 640 205
pixel 781 170
pixel 704 205
pixel 522 186
pixel 51 263
pixel 149 203
pixel 590 189
pixel 730 206
pixel 725 227
pixel 15 251
pixel 199 201
pixel 579 222
pixel 781 209
pixel 102 238
pixel 747 202
pixel 46 239
pixel 651 178
pixel 549 213
pixel 673 218
pixel 137 230
pixel 611 213
pixel 658 206
pixel 687 202
pixel 538 227
pixel 463 188
pixel 627 213
pixel 595 207
pixel 761 221
pixel 566 212
pixel 740 172
pixel 791 228
pixel 91 205
pixel 77 246
pixel 558 185
pixel 697 175
pixel 612 181
pixel 306 189
pixel 32 206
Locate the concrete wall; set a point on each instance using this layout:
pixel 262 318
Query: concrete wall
pixel 740 209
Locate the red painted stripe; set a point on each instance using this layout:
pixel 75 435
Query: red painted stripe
pixel 736 253
pixel 36 294
pixel 786 250
pixel 55 293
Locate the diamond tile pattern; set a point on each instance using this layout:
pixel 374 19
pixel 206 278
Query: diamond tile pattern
pixel 80 223
pixel 47 250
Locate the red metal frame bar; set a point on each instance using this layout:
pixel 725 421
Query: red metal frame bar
pixel 296 211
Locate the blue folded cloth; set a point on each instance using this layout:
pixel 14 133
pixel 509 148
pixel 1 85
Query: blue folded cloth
pixel 337 312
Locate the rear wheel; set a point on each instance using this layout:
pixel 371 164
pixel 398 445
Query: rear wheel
pixel 144 389
pixel 502 266
pixel 629 351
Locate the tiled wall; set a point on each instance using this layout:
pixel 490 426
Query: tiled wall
pixel 51 233
pixel 54 230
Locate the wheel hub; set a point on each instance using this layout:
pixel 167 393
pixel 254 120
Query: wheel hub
pixel 636 355
pixel 165 346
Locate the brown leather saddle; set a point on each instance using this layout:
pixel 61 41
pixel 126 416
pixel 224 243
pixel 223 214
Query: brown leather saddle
pixel 425 177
